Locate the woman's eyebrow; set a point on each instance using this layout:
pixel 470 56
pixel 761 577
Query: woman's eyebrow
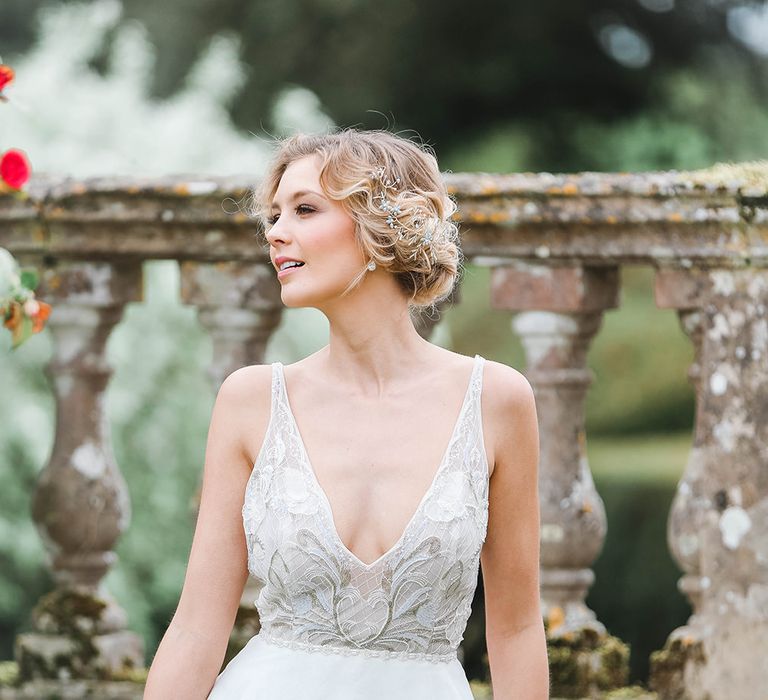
pixel 298 195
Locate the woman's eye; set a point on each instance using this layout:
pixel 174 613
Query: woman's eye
pixel 301 209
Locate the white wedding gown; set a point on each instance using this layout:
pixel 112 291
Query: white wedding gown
pixel 334 627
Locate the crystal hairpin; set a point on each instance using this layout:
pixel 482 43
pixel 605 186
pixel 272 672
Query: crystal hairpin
pixel 393 212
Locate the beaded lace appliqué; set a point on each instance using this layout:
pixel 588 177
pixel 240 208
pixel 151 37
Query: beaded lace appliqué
pixel 415 600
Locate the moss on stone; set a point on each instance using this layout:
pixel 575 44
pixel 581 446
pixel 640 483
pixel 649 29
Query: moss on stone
pixel 752 174
pixel 582 662
pixel 9 674
pixel 632 692
pixel 133 675
pixel 667 665
pixel 74 615
pixel 69 611
pixel 480 690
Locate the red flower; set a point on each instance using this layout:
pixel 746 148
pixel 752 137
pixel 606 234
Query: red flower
pixel 14 168
pixel 6 75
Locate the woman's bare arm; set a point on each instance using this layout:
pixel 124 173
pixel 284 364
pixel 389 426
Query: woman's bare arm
pixel 517 649
pixel 192 649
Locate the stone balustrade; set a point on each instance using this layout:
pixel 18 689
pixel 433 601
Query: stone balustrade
pixel 555 245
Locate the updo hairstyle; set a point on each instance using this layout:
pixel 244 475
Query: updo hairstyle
pixel 350 160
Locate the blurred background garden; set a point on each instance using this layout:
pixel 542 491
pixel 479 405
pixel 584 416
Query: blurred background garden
pixel 201 87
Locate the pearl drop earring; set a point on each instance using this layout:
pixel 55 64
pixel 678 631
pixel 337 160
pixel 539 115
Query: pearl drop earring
pixel 371 265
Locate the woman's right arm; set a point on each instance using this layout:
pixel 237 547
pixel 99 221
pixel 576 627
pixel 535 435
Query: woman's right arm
pixel 192 650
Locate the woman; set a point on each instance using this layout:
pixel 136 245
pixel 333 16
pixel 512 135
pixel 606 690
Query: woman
pixel 365 551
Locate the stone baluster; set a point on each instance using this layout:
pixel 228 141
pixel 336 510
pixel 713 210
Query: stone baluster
pixel 719 520
pixel 688 506
pixel 80 504
pixel 239 304
pixel 562 310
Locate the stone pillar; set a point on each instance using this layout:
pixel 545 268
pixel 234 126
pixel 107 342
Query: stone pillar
pixel 239 303
pixel 718 526
pixel 563 308
pixel 80 505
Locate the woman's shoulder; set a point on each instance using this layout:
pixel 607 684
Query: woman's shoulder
pixel 505 375
pixel 246 393
pixel 506 384
pixel 247 379
pixel 500 377
pixel 509 403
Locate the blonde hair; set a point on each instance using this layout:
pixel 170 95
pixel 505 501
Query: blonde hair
pixel 349 159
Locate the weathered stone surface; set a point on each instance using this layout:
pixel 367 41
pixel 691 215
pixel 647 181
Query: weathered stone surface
pixel 718 527
pixel 521 286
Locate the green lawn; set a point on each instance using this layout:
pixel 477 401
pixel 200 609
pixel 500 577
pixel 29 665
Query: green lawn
pixel 639 458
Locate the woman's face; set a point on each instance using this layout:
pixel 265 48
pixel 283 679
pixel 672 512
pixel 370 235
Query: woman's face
pixel 305 225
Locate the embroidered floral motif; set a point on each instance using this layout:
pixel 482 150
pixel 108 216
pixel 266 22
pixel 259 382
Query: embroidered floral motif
pixel 299 499
pixel 414 601
pixel 449 500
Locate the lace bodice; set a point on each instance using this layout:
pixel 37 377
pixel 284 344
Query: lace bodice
pixel 314 593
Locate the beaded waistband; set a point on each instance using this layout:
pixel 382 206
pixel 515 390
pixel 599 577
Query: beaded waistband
pixel 267 636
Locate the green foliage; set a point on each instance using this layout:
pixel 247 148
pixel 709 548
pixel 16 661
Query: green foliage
pixel 503 148
pixel 640 359
pixel 635 591
pixel 26 429
pixel 694 120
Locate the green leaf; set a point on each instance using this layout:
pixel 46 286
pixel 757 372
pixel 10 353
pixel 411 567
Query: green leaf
pixel 29 277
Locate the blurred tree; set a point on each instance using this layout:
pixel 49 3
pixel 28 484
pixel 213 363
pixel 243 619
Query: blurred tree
pixel 461 74
pixel 452 70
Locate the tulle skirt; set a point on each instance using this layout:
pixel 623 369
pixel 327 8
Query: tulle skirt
pixel 266 671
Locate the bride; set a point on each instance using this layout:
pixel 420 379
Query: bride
pixel 363 486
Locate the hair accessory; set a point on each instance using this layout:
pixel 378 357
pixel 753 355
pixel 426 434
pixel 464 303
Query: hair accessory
pixel 418 233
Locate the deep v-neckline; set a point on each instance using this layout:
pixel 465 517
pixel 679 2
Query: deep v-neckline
pixel 324 496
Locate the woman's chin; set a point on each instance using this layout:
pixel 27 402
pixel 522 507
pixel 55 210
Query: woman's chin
pixel 294 300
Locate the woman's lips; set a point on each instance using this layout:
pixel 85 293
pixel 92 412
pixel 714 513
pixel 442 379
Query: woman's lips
pixel 288 270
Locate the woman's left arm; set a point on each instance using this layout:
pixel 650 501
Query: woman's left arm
pixel 514 628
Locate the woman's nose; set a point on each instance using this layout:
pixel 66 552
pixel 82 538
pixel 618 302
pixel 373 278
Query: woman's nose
pixel 275 232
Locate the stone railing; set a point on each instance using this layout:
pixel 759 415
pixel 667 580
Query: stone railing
pixel 555 246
